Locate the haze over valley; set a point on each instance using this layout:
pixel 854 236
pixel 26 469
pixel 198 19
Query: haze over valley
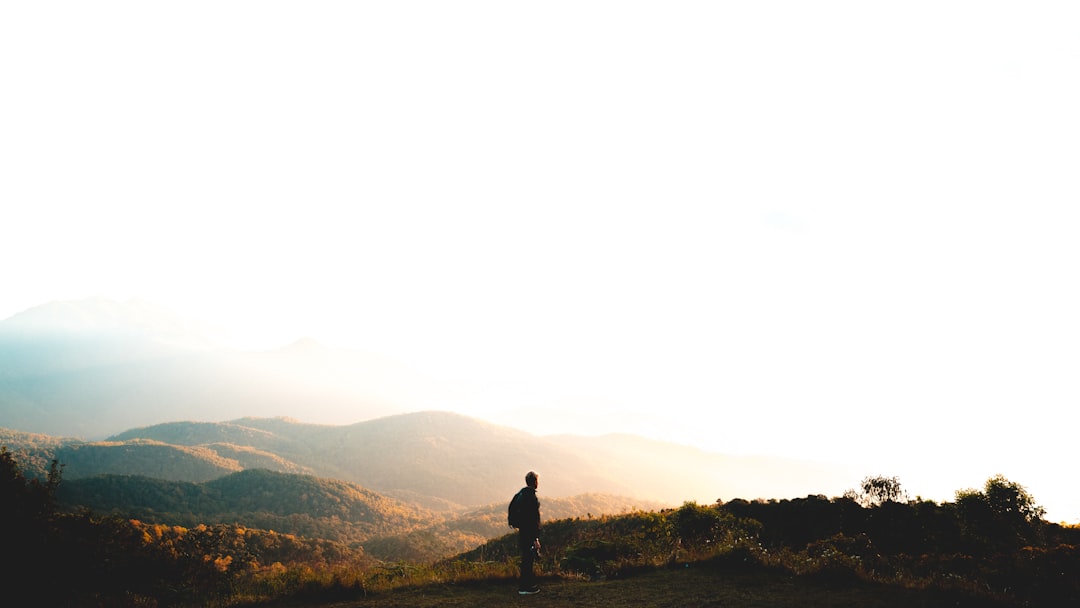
pixel 115 380
pixel 108 380
pixel 130 400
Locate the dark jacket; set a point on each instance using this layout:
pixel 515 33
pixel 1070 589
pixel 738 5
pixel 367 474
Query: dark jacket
pixel 530 510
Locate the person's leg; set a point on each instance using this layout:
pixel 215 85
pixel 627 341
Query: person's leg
pixel 528 579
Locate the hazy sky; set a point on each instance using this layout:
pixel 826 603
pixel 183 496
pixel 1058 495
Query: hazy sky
pixel 843 230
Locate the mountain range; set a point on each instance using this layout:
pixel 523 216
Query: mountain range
pixel 438 460
pixel 126 388
pixel 420 485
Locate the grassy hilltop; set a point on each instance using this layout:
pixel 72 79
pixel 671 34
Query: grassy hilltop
pixel 988 548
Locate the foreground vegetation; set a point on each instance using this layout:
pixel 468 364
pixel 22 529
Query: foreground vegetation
pixel 872 547
pixel 711 583
pixel 313 507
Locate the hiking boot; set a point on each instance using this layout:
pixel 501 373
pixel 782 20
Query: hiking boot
pixel 529 590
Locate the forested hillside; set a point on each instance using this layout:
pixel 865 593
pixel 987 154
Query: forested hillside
pixel 317 508
pixel 432 458
pixel 988 548
pixel 461 532
pixel 149 458
pixel 294 504
pixel 152 458
pixel 34 451
pixel 444 461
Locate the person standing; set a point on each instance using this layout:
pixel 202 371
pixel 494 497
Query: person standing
pixel 524 514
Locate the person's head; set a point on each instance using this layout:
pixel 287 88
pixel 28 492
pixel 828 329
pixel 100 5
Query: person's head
pixel 532 479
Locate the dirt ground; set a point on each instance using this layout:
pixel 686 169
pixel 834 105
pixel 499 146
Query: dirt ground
pixel 691 587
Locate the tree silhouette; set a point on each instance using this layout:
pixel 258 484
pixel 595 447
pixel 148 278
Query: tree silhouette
pixel 1002 515
pixel 876 491
pixel 1011 500
pixel 26 521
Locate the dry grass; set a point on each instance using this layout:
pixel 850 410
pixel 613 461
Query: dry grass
pixel 696 585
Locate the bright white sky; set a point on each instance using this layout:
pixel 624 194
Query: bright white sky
pixel 839 230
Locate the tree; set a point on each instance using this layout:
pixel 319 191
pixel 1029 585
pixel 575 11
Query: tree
pixel 1002 514
pixel 876 491
pixel 1011 500
pixel 26 523
pixel 697 525
pixel 26 498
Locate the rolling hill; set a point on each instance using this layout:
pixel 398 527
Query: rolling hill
pixel 430 458
pixel 316 508
pixel 294 504
pixel 462 532
pixel 438 460
pixel 149 458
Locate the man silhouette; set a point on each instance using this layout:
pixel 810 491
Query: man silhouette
pixel 528 525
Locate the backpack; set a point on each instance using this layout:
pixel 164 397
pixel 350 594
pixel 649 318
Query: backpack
pixel 513 512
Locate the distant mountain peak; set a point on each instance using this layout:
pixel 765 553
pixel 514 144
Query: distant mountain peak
pixel 305 344
pixel 99 316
